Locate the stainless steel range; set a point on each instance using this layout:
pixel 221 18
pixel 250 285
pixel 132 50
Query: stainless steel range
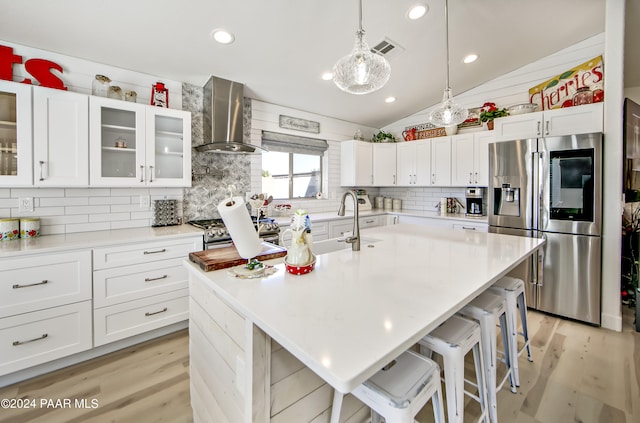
pixel 217 236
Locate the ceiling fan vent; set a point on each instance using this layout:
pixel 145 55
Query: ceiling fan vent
pixel 387 48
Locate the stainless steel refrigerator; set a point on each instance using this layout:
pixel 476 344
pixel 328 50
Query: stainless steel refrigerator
pixel 551 188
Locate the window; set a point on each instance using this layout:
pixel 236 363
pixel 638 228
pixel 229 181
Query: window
pixel 292 168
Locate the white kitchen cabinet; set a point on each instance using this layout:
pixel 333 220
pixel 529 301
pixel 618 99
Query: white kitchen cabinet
pixel 42 281
pixel 16 161
pixel 424 221
pixel 475 227
pixel 45 308
pixel 384 164
pixel 41 336
pixel 557 122
pixel 137 145
pixel 414 163
pixel 470 158
pixel 441 161
pixel 339 228
pixel 356 163
pixel 60 138
pixel 139 287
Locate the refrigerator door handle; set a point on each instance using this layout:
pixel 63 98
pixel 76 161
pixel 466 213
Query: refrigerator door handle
pixel 540 263
pixel 540 215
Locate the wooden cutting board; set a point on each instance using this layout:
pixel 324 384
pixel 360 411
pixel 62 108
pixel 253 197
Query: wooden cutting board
pixel 221 258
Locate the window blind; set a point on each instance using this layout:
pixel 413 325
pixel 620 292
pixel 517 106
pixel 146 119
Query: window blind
pixel 285 143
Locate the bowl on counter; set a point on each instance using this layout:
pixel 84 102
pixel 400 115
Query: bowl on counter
pixel 300 270
pixel 520 109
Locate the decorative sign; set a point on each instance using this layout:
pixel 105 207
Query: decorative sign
pixel 39 69
pixel 427 130
pixel 473 119
pixel 582 84
pixel 298 124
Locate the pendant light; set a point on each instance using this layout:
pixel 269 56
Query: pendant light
pixel 362 71
pixel 447 113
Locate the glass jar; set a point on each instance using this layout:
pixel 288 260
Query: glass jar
pixel 583 96
pixel 100 86
pixel 131 96
pixel 115 92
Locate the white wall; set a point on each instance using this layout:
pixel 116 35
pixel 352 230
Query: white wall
pixel 632 93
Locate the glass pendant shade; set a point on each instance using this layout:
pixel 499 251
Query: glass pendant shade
pixel 448 113
pixel 362 71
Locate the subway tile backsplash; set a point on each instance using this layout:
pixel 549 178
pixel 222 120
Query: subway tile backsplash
pixel 69 210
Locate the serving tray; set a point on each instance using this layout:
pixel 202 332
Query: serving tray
pixel 222 258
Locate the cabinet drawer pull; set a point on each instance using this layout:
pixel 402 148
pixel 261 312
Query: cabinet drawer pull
pixel 141 173
pixel 546 130
pixel 156 312
pixel 41 177
pixel 369 221
pixel 156 279
pixel 538 133
pixel 44 282
pixel 164 250
pixel 16 343
pixel 469 228
pixel 150 173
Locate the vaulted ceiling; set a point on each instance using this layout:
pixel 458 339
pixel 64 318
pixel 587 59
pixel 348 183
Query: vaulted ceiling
pixel 282 47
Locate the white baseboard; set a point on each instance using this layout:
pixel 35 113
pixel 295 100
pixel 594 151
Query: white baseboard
pixel 612 322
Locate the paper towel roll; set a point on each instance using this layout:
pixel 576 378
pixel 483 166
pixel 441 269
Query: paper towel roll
pixel 236 218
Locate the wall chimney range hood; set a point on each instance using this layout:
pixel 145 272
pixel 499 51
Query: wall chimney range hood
pixel 222 118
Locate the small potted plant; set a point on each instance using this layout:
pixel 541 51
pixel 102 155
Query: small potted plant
pixel 489 112
pixel 382 136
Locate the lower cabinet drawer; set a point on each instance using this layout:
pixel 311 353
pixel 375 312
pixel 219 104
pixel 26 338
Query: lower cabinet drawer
pixel 127 283
pixel 471 227
pixel 35 338
pixel 36 282
pixel 134 317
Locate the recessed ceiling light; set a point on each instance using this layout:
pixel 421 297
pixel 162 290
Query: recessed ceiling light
pixel 417 11
pixel 327 76
pixel 222 36
pixel 389 99
pixel 470 58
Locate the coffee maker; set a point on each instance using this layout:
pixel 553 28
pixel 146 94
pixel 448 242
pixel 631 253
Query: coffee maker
pixel 475 206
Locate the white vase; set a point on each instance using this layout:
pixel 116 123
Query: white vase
pixel 451 130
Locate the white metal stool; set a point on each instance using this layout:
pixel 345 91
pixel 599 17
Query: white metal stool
pixel 399 391
pixel 453 340
pixel 512 289
pixel 487 309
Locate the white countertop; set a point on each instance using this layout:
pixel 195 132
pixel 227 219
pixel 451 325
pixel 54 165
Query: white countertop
pixel 358 310
pixel 319 217
pixel 50 243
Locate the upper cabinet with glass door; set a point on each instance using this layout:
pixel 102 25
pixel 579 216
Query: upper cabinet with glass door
pixel 15 134
pixel 168 151
pixel 138 145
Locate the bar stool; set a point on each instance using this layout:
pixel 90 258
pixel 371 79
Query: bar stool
pixel 512 289
pixel 399 391
pixel 453 340
pixel 487 309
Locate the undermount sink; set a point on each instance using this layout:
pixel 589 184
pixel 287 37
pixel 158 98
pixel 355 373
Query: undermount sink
pixel 335 244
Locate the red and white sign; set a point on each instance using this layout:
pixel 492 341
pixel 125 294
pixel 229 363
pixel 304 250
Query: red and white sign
pixel 39 69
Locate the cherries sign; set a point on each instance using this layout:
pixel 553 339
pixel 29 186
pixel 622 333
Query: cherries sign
pixel 39 69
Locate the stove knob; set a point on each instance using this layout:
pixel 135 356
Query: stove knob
pixel 268 226
pixel 208 233
pixel 219 232
pixel 275 226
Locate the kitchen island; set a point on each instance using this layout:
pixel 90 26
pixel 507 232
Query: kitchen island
pixel 272 349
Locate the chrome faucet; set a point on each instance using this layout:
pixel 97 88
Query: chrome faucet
pixel 354 239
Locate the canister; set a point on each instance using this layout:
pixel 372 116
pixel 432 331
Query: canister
pixel 9 229
pixel 397 204
pixel 378 202
pixel 388 203
pixel 29 227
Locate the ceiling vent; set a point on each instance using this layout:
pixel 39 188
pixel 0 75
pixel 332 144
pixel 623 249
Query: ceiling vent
pixel 387 48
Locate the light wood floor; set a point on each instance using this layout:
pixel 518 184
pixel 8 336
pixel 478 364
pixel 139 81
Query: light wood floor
pixel 579 374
